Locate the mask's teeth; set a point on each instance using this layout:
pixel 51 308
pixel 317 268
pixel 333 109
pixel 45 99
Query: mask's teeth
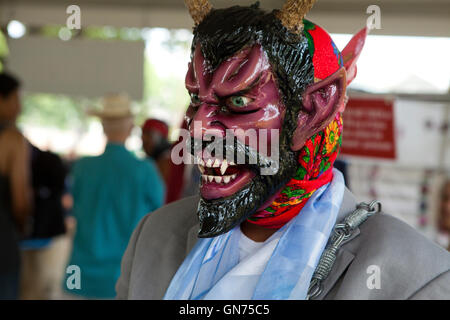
pixel 202 169
pixel 223 167
pixel 216 163
pixel 219 179
pixel 209 163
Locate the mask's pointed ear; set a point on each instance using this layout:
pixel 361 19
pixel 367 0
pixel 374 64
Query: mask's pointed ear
pixel 321 102
pixel 351 53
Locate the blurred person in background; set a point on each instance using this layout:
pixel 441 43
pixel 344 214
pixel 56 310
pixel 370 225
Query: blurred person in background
pixel 43 249
pixel 183 179
pixel 15 186
pixel 111 193
pixel 156 145
pixel 444 217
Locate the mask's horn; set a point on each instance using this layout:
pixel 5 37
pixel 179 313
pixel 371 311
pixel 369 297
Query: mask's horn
pixel 293 12
pixel 198 9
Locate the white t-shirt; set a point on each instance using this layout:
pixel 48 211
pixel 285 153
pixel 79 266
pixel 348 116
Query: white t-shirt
pixel 247 245
pixel 240 282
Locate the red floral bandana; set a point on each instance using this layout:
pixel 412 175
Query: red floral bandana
pixel 315 160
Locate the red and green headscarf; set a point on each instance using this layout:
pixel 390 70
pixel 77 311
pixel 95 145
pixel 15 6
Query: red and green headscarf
pixel 316 158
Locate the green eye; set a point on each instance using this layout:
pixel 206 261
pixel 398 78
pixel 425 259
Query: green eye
pixel 239 101
pixel 194 98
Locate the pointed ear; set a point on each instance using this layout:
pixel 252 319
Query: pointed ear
pixel 321 102
pixel 351 53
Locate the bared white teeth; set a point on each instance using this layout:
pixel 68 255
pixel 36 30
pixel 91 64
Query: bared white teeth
pixel 216 163
pixel 219 179
pixel 223 167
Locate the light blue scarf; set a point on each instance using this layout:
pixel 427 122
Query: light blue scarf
pixel 290 268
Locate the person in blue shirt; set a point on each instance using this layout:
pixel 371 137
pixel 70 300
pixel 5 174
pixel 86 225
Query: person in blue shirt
pixel 111 193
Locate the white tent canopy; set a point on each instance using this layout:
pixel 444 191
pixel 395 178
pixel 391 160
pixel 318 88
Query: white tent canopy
pixel 400 17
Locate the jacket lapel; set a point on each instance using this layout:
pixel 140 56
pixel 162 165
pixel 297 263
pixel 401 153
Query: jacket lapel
pixel 192 238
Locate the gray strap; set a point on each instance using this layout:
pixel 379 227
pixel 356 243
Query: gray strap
pixel 341 232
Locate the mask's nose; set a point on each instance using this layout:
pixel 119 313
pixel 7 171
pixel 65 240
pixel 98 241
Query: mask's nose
pixel 205 122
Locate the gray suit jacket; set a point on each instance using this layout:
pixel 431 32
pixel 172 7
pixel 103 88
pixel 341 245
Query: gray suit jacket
pixel 409 265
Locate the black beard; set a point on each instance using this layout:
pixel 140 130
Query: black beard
pixel 219 216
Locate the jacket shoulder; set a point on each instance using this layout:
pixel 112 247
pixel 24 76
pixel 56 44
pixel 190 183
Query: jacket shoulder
pixel 405 260
pixel 156 250
pixel 390 235
pixel 173 219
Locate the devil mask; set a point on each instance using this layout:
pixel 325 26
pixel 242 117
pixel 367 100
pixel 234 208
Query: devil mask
pixel 254 73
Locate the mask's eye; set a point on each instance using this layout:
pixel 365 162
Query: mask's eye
pixel 195 99
pixel 239 101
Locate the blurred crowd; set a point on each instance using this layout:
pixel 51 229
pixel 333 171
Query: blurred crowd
pixel 60 219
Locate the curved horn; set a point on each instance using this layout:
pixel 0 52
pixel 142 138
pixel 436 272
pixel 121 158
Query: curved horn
pixel 293 12
pixel 198 9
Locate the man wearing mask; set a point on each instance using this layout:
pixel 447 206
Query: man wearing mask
pixel 278 226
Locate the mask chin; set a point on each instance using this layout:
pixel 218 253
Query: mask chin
pixel 221 215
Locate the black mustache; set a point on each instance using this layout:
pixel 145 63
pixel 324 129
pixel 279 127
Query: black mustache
pixel 236 152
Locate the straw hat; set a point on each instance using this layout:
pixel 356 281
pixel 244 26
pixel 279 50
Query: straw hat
pixel 114 106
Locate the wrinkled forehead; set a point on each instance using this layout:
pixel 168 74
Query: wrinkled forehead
pixel 234 74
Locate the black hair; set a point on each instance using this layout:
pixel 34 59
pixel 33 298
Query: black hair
pixel 8 84
pixel 224 32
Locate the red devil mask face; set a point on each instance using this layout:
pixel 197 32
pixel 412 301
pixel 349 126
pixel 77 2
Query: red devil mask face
pixel 253 79
pixel 241 96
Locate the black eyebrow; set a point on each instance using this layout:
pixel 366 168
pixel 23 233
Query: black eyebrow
pixel 244 91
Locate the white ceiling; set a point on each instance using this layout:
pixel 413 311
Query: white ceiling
pixel 402 17
pixel 406 6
